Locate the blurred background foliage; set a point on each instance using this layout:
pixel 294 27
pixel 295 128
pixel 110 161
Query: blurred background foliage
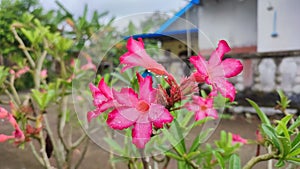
pixel 93 33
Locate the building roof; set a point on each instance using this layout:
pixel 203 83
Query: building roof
pixel 177 15
pixel 161 33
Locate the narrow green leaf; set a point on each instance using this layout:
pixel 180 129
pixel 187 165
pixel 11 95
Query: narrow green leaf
pixel 219 159
pixel 271 133
pixel 199 139
pixel 120 77
pixel 281 128
pixel 179 133
pixel 174 156
pixel 182 165
pixel 295 124
pixel 174 142
pixel 280 163
pixel 296 143
pixel 186 119
pixel 260 113
pixel 114 145
pixel 235 162
pixel 294 153
pixel 286 146
pixel 193 155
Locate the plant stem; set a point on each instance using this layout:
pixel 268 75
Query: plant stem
pixel 23 47
pixel 83 153
pixel 38 69
pixel 55 147
pixel 260 158
pixel 14 91
pixel 43 151
pixel 144 159
pixel 36 155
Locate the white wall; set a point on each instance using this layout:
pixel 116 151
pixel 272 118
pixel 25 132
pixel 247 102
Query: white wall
pixel 232 20
pixel 288 25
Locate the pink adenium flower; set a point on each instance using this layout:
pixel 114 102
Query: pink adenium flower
pixel 238 139
pixel 20 72
pixel 140 111
pixel 215 70
pixel 203 107
pixel 44 74
pixel 103 99
pixel 17 134
pixel 89 64
pixel 137 56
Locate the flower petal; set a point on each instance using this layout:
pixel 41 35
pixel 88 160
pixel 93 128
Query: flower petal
pixel 3 113
pixel 93 114
pixel 134 45
pixel 130 60
pixel 107 91
pixel 225 88
pixel 137 56
pixel 231 67
pixel 146 90
pixel 4 137
pixel 159 115
pixel 197 77
pixel 217 55
pixel 200 64
pixel 199 115
pixel 141 134
pixel 238 139
pixel 211 113
pixel 126 96
pixel 122 118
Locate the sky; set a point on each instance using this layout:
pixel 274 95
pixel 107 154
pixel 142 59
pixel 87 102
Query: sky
pixel 119 8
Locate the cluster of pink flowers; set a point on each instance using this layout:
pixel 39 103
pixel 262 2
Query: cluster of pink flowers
pixel 17 134
pixel 150 108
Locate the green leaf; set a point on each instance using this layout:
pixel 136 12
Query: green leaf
pixel 37 97
pixel 199 139
pixel 281 128
pixel 286 146
pixel 220 159
pixel 114 145
pixel 296 143
pixel 280 163
pixel 271 133
pixel 284 101
pixel 294 153
pixel 174 156
pixel 175 136
pixel 234 162
pixel 295 124
pixel 192 155
pixel 120 77
pixel 260 113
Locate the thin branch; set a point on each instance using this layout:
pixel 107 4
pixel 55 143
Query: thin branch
pixel 14 91
pixel 144 160
pixel 167 162
pixel 85 148
pixel 79 141
pixel 37 72
pixel 23 47
pixel 55 147
pixel 43 151
pixel 62 120
pixel 9 95
pixel 36 155
pixel 255 160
